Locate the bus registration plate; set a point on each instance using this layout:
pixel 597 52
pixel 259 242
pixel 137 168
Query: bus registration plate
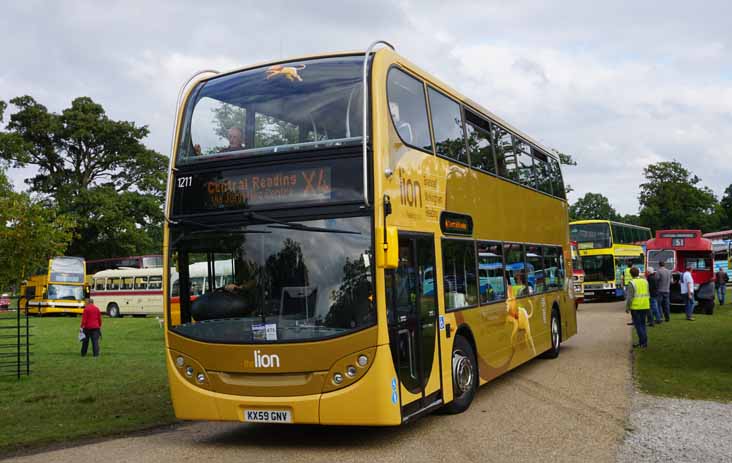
pixel 268 416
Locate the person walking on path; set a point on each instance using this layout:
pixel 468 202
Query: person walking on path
pixel 638 303
pixel 687 292
pixel 655 313
pixel 720 283
pixel 663 283
pixel 91 323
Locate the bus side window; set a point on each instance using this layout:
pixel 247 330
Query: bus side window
pixel 480 144
pixel 505 158
pixel 447 125
pixel 140 282
pixel 155 282
pixel 113 283
pixel 408 109
pixel 99 284
pixel 127 283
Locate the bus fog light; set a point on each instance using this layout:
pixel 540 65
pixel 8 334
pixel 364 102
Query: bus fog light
pixel 201 378
pixel 351 371
pixel 189 372
pixel 180 361
pixel 362 360
pixel 337 378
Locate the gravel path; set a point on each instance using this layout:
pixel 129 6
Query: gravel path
pixel 677 430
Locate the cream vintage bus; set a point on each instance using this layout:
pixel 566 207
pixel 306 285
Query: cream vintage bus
pixel 122 292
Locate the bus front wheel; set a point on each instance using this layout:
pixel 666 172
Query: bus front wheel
pixel 556 336
pixel 113 310
pixel 464 376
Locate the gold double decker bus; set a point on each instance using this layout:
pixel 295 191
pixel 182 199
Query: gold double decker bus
pixel 376 245
pixel 61 290
pixel 606 250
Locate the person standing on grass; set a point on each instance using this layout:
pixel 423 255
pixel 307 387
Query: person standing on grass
pixel 720 283
pixel 687 291
pixel 91 323
pixel 654 317
pixel 638 303
pixel 663 280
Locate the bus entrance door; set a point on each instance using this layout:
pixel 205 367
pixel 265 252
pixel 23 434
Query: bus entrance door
pixel 412 314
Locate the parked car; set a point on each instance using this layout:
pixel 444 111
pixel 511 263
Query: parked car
pixel 4 301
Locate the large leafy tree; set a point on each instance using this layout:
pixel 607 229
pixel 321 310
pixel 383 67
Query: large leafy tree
pixel 94 169
pixel 30 233
pixel 592 206
pixel 673 197
pixel 726 208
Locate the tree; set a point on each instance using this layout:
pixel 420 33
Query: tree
pixel 672 197
pixel 592 206
pixel 726 208
pixel 94 170
pixel 30 234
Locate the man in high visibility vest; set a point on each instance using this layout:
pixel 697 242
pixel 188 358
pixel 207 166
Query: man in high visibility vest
pixel 638 303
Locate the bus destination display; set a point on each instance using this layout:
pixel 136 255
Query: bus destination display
pixel 271 185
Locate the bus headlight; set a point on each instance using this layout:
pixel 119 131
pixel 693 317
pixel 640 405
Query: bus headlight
pixel 201 378
pixel 349 369
pixel 180 361
pixel 189 372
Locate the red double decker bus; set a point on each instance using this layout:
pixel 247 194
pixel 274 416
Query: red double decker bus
pixel 678 249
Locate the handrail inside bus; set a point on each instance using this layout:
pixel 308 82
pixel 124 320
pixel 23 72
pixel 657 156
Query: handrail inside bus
pixel 365 115
pixel 175 128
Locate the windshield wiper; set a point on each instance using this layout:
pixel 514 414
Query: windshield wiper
pixel 208 229
pixel 295 226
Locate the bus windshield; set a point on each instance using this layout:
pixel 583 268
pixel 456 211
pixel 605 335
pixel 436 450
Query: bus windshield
pixel 276 282
pixel 598 268
pixel 590 235
pixel 274 109
pixel 667 256
pixel 65 292
pixel 67 270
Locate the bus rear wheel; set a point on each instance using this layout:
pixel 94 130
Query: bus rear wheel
pixel 113 310
pixel 464 376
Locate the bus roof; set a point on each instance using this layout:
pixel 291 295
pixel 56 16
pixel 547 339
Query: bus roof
pixel 691 240
pixel 129 272
pixel 392 55
pixel 580 222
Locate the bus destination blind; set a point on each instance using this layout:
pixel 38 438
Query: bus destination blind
pixel 239 189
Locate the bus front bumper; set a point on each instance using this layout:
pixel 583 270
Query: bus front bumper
pixel 368 401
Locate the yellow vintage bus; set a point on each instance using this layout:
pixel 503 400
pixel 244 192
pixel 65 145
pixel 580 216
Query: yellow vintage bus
pixel 355 280
pixel 60 290
pixel 606 249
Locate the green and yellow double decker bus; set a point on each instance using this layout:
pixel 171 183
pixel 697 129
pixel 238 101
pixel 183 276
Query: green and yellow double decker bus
pixel 606 249
pixel 376 245
pixel 60 290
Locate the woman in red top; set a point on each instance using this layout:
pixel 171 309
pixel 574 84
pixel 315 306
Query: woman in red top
pixel 91 323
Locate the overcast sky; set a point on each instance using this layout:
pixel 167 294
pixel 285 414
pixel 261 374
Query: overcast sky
pixel 617 85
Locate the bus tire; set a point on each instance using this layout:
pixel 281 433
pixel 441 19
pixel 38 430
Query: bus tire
pixel 464 376
pixel 706 306
pixel 556 336
pixel 113 310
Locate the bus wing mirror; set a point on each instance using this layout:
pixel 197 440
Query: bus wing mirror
pixel 387 252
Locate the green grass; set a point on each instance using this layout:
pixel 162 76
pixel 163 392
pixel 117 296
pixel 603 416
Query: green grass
pixel 691 360
pixel 68 397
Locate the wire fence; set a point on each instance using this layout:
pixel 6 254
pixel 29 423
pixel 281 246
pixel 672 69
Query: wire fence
pixel 15 345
